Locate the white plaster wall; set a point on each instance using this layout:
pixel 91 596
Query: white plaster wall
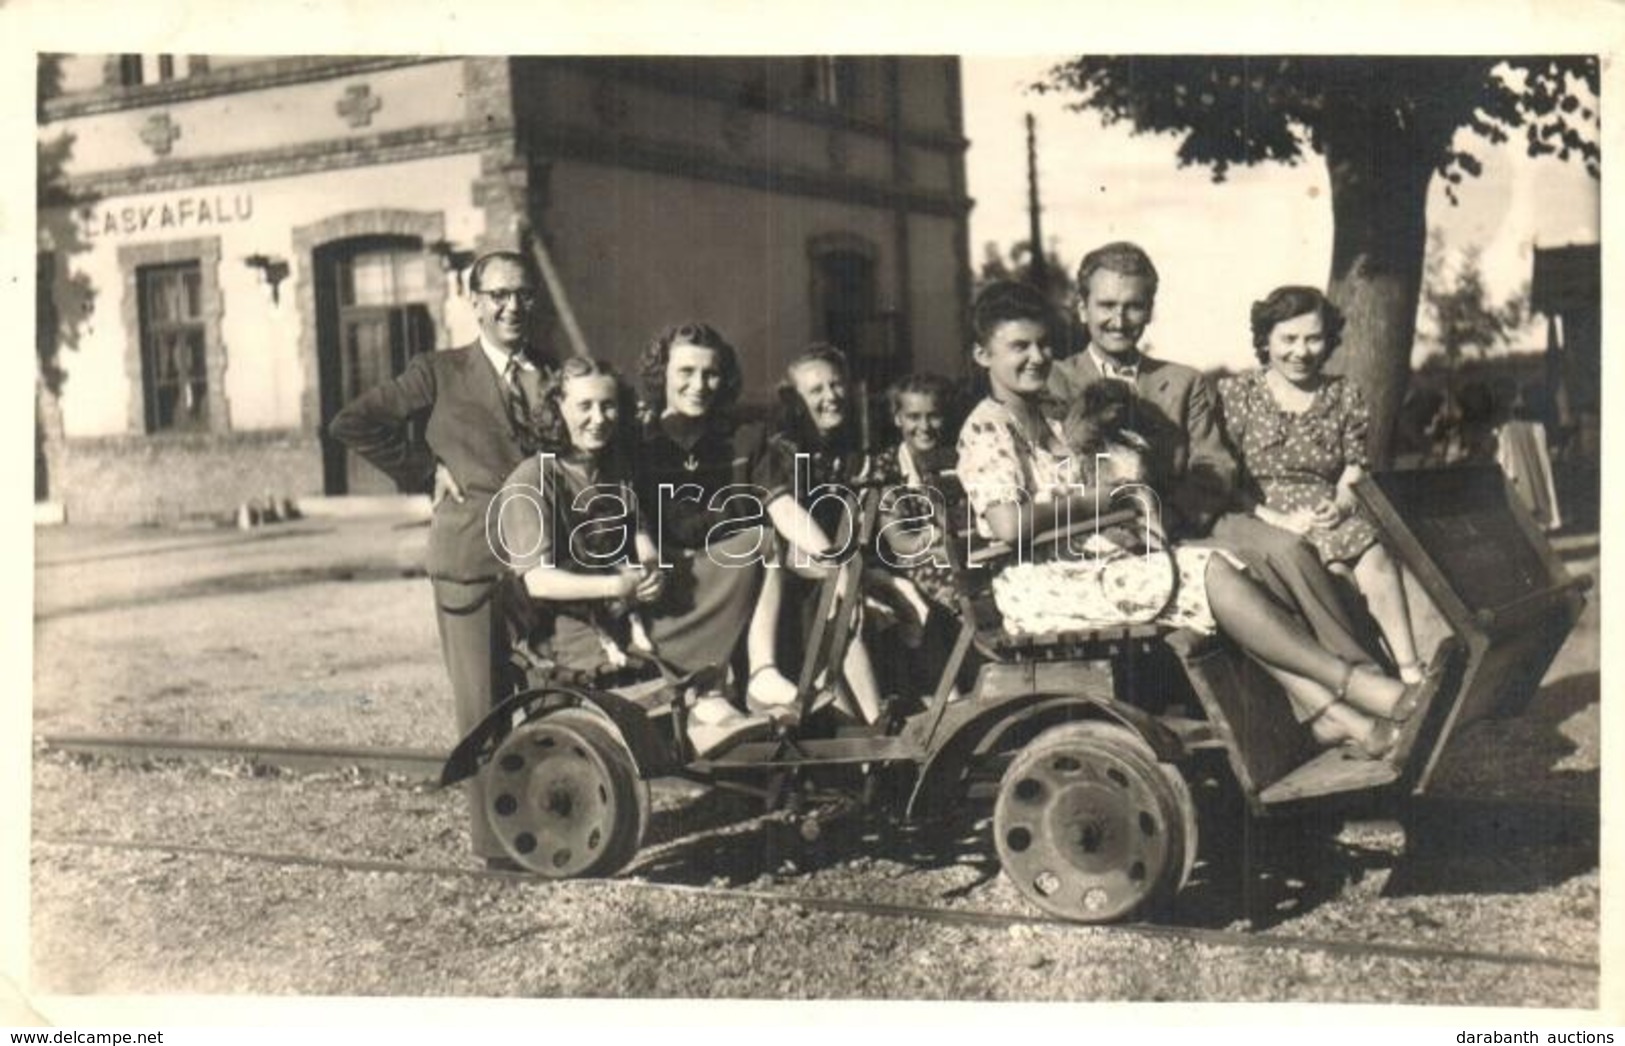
pixel 245 121
pixel 82 72
pixel 263 379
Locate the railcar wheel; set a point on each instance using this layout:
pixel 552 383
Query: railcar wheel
pixel 564 798
pixel 1088 826
pixel 1180 791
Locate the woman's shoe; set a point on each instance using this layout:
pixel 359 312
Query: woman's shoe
pixel 714 726
pixel 1380 743
pixel 1417 695
pixel 769 693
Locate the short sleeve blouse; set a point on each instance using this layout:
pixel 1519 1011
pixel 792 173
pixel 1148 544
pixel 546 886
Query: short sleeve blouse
pixel 1294 459
pixel 999 465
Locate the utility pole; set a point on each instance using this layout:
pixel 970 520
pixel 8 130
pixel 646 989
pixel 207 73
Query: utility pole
pixel 1035 234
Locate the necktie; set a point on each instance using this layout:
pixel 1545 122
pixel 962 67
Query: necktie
pixel 514 398
pixel 1122 371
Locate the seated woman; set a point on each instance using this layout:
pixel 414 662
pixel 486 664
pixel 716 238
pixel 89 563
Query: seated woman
pixel 567 523
pixel 695 465
pixel 913 524
pixel 817 445
pixel 1022 479
pixel 921 499
pixel 1299 435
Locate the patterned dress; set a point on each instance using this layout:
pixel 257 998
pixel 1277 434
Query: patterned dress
pixel 1293 460
pixel 998 464
pixel 896 468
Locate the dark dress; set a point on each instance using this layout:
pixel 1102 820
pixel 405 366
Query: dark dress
pixel 1292 461
pixel 821 481
pixel 712 545
pixel 580 516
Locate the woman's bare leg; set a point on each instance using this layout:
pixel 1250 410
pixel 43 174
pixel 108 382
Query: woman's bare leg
pixel 859 673
pixel 1263 628
pixel 1379 578
pixel 766 683
pixel 1331 721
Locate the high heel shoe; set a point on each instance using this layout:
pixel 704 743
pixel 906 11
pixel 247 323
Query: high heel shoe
pixel 1380 743
pixel 1417 695
pixel 714 726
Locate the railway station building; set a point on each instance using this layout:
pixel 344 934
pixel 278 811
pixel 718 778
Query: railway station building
pixel 230 248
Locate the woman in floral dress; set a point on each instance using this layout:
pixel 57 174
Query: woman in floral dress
pixel 1299 434
pixel 1022 479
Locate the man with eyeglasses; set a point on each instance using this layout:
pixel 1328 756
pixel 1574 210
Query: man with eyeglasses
pixel 473 404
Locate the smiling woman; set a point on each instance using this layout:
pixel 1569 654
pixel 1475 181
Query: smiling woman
pixel 1300 437
pixel 690 457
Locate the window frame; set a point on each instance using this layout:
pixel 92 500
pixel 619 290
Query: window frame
pixel 179 329
pixel 136 262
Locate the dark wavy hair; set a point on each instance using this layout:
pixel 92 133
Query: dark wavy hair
pixel 547 416
pixel 1288 303
pixel 656 354
pixel 1004 301
pixel 1121 257
pixel 794 420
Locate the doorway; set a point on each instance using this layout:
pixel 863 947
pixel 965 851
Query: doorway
pixel 372 317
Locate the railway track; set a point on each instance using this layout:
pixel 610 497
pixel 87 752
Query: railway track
pixel 426 764
pixel 923 913
pixel 407 762
pixel 1509 820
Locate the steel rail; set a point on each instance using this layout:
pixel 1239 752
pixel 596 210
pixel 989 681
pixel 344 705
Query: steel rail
pixel 841 906
pixel 408 762
pixel 426 764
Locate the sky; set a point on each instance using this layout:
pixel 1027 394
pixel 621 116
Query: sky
pixel 1219 247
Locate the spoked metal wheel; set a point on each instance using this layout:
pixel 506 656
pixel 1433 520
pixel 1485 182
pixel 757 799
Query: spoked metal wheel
pixel 563 796
pixel 1090 827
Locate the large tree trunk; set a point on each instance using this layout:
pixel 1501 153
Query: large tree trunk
pixel 1379 212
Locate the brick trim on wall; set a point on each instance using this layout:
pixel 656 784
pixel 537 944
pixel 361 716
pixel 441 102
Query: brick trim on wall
pixel 210 83
pixel 331 154
pixel 503 189
pixel 424 226
pixel 205 250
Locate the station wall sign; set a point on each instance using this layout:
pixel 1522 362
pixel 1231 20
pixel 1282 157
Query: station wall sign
pixel 191 211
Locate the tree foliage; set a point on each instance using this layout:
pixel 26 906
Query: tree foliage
pixel 1459 310
pixel 1016 263
pixel 1384 126
pixel 63 295
pixel 1250 110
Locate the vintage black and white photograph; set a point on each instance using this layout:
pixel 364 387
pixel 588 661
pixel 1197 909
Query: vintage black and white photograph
pixel 1051 526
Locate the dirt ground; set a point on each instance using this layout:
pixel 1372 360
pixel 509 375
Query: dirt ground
pixel 320 632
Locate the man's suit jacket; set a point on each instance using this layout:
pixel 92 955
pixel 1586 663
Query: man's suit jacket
pixel 1177 411
pixel 458 396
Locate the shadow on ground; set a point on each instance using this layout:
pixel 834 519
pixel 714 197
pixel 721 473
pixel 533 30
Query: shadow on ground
pixel 1252 872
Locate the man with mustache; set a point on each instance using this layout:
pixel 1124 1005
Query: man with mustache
pixel 1176 409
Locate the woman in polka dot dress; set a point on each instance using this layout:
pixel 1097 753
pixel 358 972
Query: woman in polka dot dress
pixel 1299 434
